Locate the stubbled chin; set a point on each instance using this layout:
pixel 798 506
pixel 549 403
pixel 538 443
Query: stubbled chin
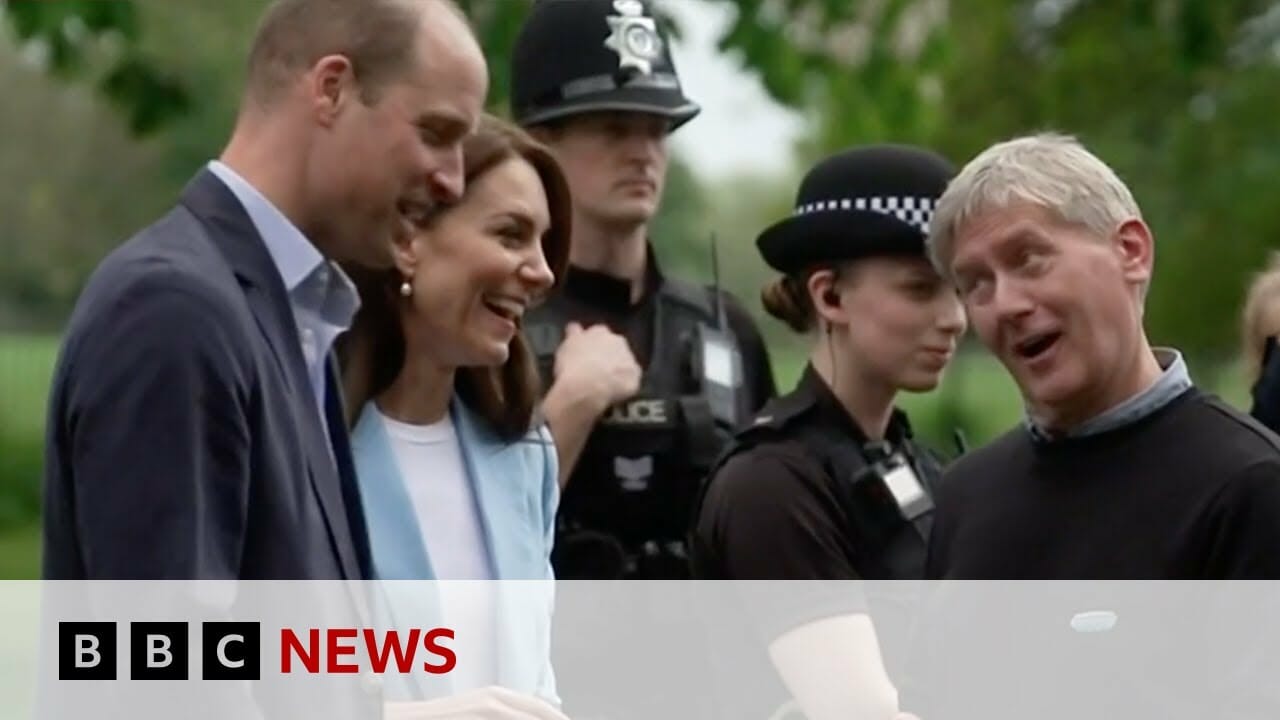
pixel 1053 390
pixel 633 211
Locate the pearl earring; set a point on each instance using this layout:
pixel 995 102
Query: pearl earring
pixel 406 289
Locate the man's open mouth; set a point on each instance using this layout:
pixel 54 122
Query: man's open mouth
pixel 1036 345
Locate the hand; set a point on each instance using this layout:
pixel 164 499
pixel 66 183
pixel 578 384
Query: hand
pixel 490 703
pixel 598 364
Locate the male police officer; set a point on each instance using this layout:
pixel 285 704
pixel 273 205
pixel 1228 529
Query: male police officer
pixel 646 373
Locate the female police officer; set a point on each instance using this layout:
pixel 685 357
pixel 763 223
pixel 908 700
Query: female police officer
pixel 827 482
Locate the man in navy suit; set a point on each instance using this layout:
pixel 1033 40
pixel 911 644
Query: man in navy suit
pixel 195 427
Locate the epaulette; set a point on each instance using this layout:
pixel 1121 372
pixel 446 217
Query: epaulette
pixel 778 413
pixel 696 298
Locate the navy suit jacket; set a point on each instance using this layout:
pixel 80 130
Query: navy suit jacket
pixel 183 437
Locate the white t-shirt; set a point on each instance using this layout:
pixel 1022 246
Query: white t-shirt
pixel 430 461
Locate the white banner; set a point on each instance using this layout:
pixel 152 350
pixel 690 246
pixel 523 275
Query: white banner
pixel 623 650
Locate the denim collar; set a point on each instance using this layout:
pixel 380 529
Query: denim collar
pixel 1173 381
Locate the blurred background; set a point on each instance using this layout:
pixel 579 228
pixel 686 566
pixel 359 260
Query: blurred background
pixel 110 107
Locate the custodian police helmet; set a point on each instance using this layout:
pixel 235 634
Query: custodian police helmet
pixel 578 56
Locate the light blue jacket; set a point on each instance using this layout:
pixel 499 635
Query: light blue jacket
pixel 516 493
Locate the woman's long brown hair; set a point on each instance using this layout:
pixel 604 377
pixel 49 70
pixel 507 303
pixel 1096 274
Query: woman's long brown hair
pixel 372 352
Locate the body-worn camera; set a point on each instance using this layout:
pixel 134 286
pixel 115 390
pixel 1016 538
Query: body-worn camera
pixel 887 494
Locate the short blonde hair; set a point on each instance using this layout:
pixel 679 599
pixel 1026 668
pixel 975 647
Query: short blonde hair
pixel 1261 316
pixel 1048 169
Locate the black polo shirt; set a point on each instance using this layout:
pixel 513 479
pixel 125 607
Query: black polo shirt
pixel 772 512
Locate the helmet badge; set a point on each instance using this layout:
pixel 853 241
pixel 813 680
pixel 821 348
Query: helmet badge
pixel 634 36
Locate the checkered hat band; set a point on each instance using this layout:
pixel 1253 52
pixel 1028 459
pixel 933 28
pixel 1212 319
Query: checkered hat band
pixel 915 211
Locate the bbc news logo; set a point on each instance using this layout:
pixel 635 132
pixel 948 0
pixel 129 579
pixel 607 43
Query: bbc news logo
pixel 233 651
pixel 159 651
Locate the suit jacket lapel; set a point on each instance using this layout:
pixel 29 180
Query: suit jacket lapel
pixel 336 413
pixel 396 538
pixel 237 239
pixel 487 465
pixel 483 462
pixel 396 544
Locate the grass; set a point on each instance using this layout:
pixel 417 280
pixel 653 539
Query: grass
pixel 26 367
pixel 20 553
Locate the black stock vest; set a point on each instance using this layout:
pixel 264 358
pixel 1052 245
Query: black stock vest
pixel 883 544
pixel 625 509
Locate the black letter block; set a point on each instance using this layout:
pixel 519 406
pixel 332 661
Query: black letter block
pixel 232 651
pixel 158 651
pixel 86 651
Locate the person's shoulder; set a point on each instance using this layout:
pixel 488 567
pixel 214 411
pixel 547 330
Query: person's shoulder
pixel 1241 471
pixel 999 450
pixel 172 257
pixel 540 446
pixel 539 466
pixel 153 295
pixel 773 468
pixel 980 467
pixel 740 318
pixel 527 456
pixel 708 298
pixel 1232 433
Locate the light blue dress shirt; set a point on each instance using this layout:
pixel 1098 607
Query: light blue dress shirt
pixel 323 298
pixel 1174 380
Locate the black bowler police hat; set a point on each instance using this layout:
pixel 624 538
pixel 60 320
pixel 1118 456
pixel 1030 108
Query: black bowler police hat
pixel 874 200
pixel 579 56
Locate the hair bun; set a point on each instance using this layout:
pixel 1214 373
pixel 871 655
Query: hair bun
pixel 786 300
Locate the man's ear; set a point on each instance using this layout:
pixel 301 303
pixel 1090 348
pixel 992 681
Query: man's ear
pixel 331 86
pixel 1137 250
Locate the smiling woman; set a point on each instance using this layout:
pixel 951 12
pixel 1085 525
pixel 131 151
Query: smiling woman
pixel 457 478
pixel 453 304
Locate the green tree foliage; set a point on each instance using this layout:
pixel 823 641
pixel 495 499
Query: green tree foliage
pixel 867 68
pixel 1166 93
pixel 1176 94
pixel 67 33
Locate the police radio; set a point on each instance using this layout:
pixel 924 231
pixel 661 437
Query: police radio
pixel 717 361
pixel 718 365
pixel 887 494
